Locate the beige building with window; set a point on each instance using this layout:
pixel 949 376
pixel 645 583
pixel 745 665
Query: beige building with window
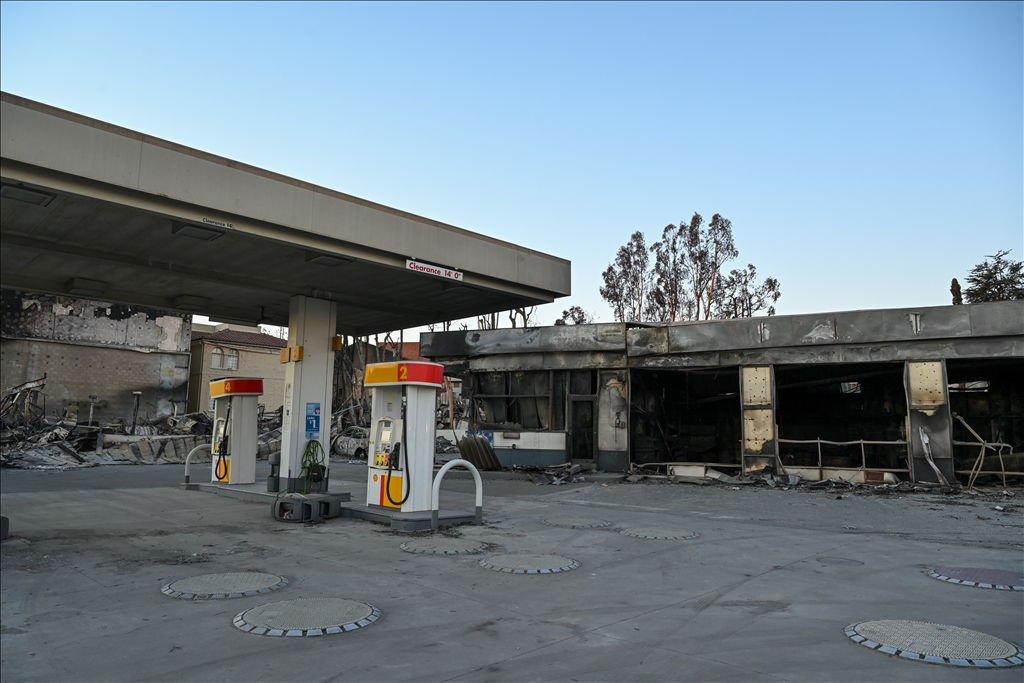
pixel 230 351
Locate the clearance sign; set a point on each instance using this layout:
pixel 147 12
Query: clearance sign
pixel 437 271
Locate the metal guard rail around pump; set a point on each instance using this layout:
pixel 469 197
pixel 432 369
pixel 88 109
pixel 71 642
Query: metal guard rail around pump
pixel 436 493
pixel 188 458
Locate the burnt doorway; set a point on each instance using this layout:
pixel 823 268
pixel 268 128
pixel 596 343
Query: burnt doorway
pixel 685 416
pixel 581 429
pixel 843 417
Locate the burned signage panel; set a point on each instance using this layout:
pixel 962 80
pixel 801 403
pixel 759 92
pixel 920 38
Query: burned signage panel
pixel 928 394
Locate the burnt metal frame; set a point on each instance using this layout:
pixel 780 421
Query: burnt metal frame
pixel 976 470
pixel 863 455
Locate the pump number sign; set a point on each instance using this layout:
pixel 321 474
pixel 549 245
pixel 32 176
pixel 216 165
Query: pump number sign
pixel 408 372
pixel 312 421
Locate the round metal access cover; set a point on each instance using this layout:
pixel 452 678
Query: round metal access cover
pixel 659 533
pixel 307 617
pixel 576 522
pixel 443 546
pixel 980 578
pixel 219 586
pixel 935 643
pixel 527 563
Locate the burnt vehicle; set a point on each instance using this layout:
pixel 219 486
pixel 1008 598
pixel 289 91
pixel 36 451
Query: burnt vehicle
pixel 351 443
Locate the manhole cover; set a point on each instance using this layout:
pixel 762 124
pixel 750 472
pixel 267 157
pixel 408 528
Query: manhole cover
pixel 840 561
pixel 443 546
pixel 576 522
pixel 525 563
pixel 935 643
pixel 659 533
pixel 980 578
pixel 219 586
pixel 307 617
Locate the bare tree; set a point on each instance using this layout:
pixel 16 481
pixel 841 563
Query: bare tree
pixel 686 281
pixel 628 279
pixel 696 274
pixel 522 315
pixel 716 249
pixel 575 316
pixel 488 321
pixel 741 296
pixel 667 300
pixel 612 292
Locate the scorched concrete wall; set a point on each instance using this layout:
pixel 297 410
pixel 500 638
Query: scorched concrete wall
pixel 95 348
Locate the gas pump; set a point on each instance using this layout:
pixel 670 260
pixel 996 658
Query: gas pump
pixel 235 429
pixel 401 443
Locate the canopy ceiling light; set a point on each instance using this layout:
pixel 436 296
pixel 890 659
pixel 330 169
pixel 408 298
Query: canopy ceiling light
pixel 23 194
pixel 326 259
pixel 83 287
pixel 196 231
pixel 191 303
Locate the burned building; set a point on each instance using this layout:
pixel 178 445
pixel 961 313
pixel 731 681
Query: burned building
pixel 926 394
pixel 95 354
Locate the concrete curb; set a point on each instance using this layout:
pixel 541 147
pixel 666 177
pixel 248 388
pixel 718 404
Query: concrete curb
pixel 975 584
pixel 240 623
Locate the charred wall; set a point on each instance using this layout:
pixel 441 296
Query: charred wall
pixel 94 348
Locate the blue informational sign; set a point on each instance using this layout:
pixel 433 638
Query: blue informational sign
pixel 312 421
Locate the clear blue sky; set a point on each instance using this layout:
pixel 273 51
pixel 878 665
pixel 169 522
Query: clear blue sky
pixel 865 153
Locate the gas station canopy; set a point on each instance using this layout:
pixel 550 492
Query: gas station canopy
pixel 93 210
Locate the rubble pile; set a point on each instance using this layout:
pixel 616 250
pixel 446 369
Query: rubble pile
pixel 31 439
pixel 554 475
pixel 443 445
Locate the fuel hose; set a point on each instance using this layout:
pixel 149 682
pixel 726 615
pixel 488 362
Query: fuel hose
pixel 221 466
pixel 407 479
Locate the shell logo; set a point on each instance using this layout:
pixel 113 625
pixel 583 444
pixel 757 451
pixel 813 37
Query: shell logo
pixel 375 477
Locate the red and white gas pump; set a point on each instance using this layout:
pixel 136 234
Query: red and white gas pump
pixel 401 443
pixel 235 429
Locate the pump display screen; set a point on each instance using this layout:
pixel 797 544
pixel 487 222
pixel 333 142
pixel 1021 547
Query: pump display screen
pixel 385 433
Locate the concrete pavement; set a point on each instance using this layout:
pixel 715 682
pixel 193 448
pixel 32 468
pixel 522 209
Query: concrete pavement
pixel 747 600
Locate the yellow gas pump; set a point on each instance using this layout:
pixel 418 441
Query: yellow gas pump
pixel 235 429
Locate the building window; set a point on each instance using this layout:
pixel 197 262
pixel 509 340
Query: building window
pixel 224 359
pixel 514 400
